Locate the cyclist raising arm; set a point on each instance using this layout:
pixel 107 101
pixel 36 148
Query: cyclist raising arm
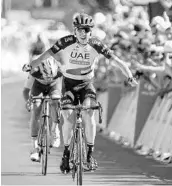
pixel 80 52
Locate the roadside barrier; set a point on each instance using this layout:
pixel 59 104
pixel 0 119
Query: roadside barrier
pixel 140 119
pixel 109 101
pixel 123 119
pixel 156 137
pixel 129 117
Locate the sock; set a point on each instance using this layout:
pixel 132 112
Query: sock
pixel 90 149
pixel 66 150
pixel 35 142
pixel 66 147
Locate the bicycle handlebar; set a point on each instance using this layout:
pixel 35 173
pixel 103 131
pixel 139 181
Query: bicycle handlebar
pixel 79 107
pixel 82 108
pixel 44 97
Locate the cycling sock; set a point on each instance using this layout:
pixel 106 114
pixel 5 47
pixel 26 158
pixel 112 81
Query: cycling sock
pixel 66 147
pixel 90 149
pixel 35 142
pixel 66 150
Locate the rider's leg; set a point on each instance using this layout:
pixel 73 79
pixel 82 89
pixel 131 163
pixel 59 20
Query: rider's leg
pixel 68 117
pixel 90 125
pixel 35 116
pixel 55 93
pixel 89 99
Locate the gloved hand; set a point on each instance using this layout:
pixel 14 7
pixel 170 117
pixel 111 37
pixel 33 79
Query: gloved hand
pixel 26 68
pixel 132 82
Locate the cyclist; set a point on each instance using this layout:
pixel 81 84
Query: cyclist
pixel 80 52
pixel 44 79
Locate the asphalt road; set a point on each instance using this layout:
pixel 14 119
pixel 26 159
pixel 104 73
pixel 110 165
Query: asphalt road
pixel 117 165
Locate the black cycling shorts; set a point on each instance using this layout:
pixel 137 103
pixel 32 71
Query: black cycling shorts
pixel 50 89
pixel 74 88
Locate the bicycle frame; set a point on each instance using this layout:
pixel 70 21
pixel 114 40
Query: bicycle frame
pixel 45 116
pixel 44 130
pixel 78 143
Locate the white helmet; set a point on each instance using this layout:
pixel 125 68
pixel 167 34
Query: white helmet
pixel 48 67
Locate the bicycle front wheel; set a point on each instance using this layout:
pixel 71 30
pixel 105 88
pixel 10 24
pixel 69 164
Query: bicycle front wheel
pixel 45 145
pixel 79 158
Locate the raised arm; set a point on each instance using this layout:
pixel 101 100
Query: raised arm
pixel 42 57
pixel 103 49
pixel 60 44
pixel 122 65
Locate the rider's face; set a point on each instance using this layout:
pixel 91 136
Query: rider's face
pixel 83 35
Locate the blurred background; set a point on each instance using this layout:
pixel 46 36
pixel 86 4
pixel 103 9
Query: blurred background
pixel 124 25
pixel 140 33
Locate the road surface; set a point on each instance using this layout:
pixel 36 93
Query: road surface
pixel 117 166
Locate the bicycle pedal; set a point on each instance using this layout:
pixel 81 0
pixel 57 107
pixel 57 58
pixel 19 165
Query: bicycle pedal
pixel 85 168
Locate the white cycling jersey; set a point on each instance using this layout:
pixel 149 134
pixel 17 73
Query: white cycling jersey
pixel 79 60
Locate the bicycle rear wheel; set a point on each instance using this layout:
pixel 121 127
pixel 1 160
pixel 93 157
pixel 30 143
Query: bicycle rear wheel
pixel 45 145
pixel 79 158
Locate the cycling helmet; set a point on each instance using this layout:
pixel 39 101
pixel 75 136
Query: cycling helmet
pixel 82 20
pixel 47 66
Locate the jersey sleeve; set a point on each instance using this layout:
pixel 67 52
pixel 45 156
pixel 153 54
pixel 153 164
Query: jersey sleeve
pixel 100 47
pixel 62 43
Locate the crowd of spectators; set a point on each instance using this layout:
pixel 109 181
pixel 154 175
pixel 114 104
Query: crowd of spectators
pixel 145 46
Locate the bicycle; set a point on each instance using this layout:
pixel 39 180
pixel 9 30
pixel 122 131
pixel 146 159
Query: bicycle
pixel 44 130
pixel 78 150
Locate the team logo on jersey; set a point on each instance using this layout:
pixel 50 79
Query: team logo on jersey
pixel 59 42
pixel 96 42
pixel 67 39
pixel 104 48
pixel 80 62
pixel 56 47
pixel 80 58
pixel 77 55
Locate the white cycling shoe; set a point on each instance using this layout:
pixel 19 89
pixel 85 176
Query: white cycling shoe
pixel 56 137
pixel 34 156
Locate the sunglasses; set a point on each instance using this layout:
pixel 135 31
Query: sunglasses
pixel 85 29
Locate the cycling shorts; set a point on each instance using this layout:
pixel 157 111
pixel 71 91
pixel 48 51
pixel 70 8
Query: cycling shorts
pixel 53 89
pixel 73 88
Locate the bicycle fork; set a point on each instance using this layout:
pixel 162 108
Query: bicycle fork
pixel 44 128
pixel 79 149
